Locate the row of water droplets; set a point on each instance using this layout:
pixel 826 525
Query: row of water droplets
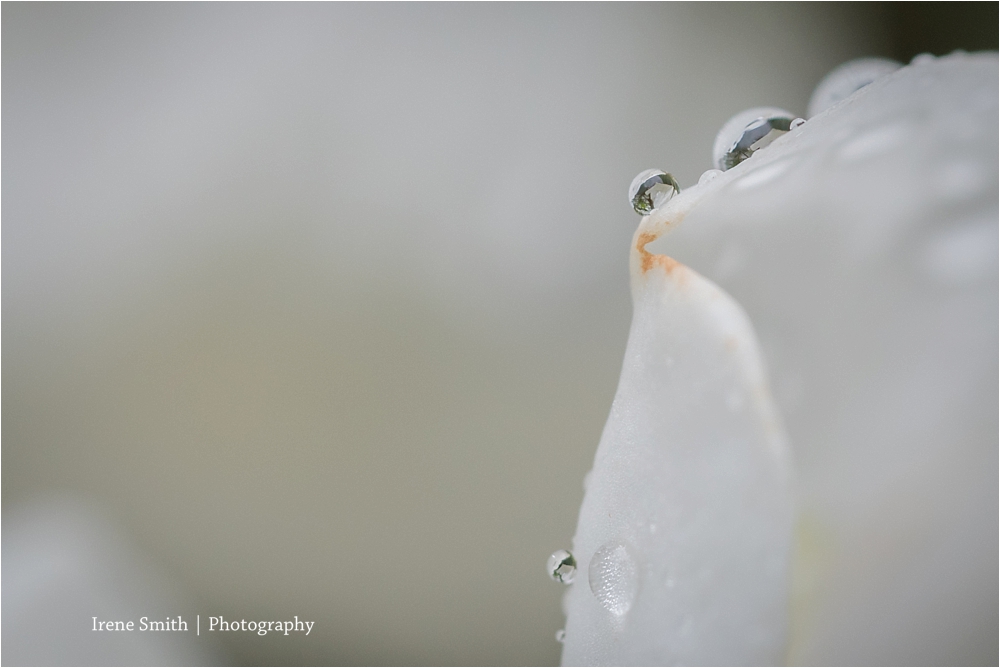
pixel 754 129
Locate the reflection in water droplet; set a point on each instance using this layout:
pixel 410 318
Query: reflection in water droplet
pixel 562 567
pixel 708 175
pixel 747 132
pixel 650 190
pixel 845 80
pixel 561 635
pixel 614 577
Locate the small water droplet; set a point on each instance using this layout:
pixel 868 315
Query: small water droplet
pixel 708 175
pixel 747 132
pixel 923 59
pixel 614 577
pixel 797 123
pixel 845 80
pixel 561 635
pixel 650 190
pixel 562 566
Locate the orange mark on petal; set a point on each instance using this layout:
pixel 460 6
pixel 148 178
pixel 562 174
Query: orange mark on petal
pixel 649 260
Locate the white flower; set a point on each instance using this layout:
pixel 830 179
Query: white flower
pixel 862 249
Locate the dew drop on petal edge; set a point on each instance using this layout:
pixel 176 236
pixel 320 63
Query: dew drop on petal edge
pixel 748 132
pixel 561 566
pixel 650 190
pixel 708 175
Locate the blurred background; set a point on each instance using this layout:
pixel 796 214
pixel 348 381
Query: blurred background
pixel 319 310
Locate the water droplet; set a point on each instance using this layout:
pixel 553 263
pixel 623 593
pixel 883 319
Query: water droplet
pixel 650 190
pixel 562 566
pixel 614 577
pixel 797 123
pixel 561 635
pixel 845 80
pixel 747 132
pixel 708 175
pixel 923 59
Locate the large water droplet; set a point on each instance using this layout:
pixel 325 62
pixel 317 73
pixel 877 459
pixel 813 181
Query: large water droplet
pixel 845 80
pixel 614 577
pixel 650 190
pixel 748 132
pixel 562 566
